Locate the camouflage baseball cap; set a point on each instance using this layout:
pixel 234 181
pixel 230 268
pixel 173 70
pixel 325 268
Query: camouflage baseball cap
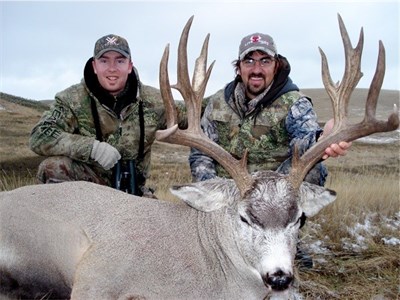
pixel 111 42
pixel 257 41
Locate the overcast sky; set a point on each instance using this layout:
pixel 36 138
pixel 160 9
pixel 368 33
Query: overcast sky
pixel 44 45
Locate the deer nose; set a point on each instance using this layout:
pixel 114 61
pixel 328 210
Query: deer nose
pixel 278 281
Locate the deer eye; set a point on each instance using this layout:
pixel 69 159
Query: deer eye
pixel 244 220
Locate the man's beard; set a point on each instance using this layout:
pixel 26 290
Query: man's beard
pixel 255 91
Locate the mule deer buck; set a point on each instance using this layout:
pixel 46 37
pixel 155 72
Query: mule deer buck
pixel 233 239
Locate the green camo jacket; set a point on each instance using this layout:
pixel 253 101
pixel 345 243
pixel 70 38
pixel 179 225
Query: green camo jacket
pixel 270 136
pixel 265 137
pixel 68 129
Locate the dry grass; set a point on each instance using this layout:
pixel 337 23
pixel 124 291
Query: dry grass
pixel 355 262
pixel 377 193
pixel 366 180
pixel 15 125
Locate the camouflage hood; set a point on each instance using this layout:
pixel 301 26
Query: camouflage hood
pixel 126 97
pixel 281 85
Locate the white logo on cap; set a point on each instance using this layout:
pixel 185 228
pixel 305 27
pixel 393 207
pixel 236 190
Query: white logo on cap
pixel 111 41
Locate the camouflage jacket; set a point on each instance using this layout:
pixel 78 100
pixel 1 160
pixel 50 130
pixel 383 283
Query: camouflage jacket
pixel 68 128
pixel 269 135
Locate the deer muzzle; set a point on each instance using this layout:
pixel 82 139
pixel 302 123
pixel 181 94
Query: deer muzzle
pixel 278 281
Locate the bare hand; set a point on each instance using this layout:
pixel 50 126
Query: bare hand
pixel 334 150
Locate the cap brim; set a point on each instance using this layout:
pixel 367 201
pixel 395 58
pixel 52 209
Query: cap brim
pixel 112 49
pixel 256 48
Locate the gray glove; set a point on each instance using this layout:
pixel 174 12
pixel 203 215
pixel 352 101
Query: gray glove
pixel 105 154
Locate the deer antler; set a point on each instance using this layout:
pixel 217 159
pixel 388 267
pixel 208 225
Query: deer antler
pixel 340 97
pixel 193 94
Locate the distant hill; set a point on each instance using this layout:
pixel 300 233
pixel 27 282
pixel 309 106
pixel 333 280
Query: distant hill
pixel 24 102
pixel 323 107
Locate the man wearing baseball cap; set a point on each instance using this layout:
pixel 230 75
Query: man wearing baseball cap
pixel 262 111
pixel 108 119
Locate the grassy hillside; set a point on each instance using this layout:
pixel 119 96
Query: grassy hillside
pixel 17 118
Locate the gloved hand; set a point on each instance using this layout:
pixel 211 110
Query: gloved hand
pixel 105 154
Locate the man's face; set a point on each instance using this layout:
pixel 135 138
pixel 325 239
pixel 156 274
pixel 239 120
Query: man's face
pixel 257 71
pixel 112 70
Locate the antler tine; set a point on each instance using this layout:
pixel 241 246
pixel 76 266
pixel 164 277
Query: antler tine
pixel 182 65
pixel 340 94
pixel 193 136
pixel 376 84
pixel 372 99
pixel 340 97
pixel 352 73
pixel 191 94
pixel 166 92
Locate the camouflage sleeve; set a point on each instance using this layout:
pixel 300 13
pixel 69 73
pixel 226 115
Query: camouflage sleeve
pixel 55 134
pixel 202 166
pixel 303 128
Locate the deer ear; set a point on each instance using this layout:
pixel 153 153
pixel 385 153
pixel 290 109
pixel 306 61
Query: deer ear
pixel 207 195
pixel 313 198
